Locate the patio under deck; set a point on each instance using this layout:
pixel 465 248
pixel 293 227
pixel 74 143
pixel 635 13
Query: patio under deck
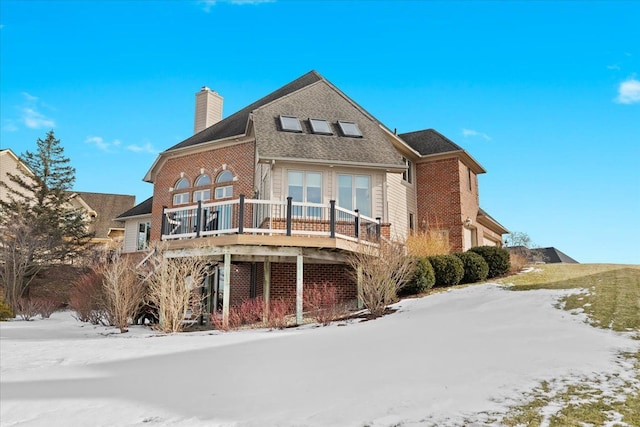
pixel 267 231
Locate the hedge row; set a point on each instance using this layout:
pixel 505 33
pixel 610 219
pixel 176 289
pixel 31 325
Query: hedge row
pixel 475 265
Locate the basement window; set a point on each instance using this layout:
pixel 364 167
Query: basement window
pixel 349 129
pixel 290 124
pixel 320 126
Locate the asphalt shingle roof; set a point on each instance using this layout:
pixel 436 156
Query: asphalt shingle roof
pixel 321 100
pixel 143 208
pixel 429 141
pixel 107 207
pixel 236 123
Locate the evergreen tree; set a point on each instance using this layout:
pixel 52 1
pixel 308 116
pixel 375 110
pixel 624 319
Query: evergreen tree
pixel 38 225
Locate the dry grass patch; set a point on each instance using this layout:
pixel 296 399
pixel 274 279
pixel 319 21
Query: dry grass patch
pixel 611 300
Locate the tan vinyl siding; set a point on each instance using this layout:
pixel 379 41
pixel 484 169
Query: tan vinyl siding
pixel 402 201
pixel 131 232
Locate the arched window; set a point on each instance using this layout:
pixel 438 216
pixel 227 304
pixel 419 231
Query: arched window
pixel 223 192
pixel 203 180
pixel 225 176
pixel 181 184
pixel 181 198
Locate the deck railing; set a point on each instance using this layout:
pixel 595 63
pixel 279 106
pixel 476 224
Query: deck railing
pixel 268 217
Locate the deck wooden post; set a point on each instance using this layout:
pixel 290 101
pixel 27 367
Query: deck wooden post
pixel 226 289
pixel 299 289
pixel 359 274
pixel 266 288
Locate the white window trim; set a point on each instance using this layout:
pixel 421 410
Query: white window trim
pixel 183 198
pixel 224 189
pixel 197 193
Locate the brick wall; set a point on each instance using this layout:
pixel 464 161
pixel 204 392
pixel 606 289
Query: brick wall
pixel 239 160
pixel 283 280
pixel 444 199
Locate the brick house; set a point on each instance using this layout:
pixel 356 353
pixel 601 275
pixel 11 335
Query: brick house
pixel 278 193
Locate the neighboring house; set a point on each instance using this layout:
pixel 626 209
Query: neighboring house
pixel 101 209
pixel 548 255
pixel 10 164
pixel 277 194
pixel 137 226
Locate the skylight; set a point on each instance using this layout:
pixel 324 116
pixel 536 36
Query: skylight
pixel 290 124
pixel 320 126
pixel 349 129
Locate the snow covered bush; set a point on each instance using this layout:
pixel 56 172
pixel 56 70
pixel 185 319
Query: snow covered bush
pixel 475 267
pixel 448 269
pixel 381 271
pixel 497 259
pixel 123 292
pixel 423 277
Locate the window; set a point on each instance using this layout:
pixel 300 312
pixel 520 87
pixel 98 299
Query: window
pixel 203 180
pixel 354 193
pixel 469 178
pixel 202 195
pixel 181 198
pixel 408 174
pixel 224 176
pixel 320 126
pixel 290 124
pixel 349 129
pixel 411 222
pixel 144 235
pixel 181 184
pixel 305 187
pixel 224 192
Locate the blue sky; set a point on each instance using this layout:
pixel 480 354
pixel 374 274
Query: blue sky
pixel 545 95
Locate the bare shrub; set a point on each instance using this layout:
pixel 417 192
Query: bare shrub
pixel 427 243
pixel 123 292
pixel 27 308
pixel 251 311
pixel 173 287
pixel 84 297
pixel 47 306
pixel 382 271
pixel 518 262
pixel 321 301
pixel 279 310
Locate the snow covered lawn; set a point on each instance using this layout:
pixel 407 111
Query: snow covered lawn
pixel 440 360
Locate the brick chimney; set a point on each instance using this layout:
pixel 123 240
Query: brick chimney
pixel 208 109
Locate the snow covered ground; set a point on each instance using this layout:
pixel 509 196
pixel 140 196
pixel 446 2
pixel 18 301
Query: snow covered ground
pixel 437 361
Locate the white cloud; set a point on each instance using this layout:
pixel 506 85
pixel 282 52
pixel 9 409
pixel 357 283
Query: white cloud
pixel 208 4
pixel 34 119
pixel 629 91
pixel 146 148
pixel 613 67
pixel 470 132
pixel 101 144
pixel 9 126
pixel 30 115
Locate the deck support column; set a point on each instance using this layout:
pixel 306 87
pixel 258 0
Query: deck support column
pixel 266 288
pixel 359 275
pixel 226 289
pixel 299 289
